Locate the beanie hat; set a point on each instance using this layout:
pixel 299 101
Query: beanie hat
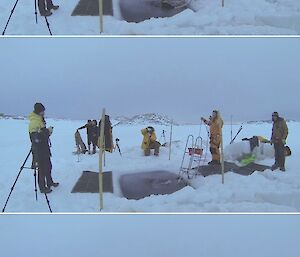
pixel 38 108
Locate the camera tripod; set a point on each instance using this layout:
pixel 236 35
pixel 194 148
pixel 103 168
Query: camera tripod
pixel 117 145
pixel 35 12
pixel 163 136
pixel 35 168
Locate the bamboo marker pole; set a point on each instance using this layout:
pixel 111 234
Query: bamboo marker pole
pixel 222 154
pixel 223 3
pixel 231 128
pixel 170 144
pixel 101 15
pixel 101 152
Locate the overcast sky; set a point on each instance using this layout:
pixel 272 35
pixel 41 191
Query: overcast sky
pixel 184 78
pixel 149 235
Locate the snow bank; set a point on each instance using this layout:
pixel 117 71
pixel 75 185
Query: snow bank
pixel 243 17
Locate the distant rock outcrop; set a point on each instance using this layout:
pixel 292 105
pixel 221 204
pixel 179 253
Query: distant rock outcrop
pixel 145 119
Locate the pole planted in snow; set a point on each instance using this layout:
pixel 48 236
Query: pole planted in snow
pixel 101 153
pixel 231 128
pixel 101 15
pixel 170 143
pixel 222 154
pixel 223 3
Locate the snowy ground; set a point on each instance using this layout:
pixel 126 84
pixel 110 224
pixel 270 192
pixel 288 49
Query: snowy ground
pixel 268 191
pixel 243 17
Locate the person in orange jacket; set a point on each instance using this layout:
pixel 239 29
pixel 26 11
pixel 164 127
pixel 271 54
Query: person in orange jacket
pixel 216 124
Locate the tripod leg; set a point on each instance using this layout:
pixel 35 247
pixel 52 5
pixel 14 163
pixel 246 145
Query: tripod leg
pixel 11 190
pixel 48 25
pixel 35 11
pixel 119 149
pixel 11 13
pixel 48 203
pixel 35 187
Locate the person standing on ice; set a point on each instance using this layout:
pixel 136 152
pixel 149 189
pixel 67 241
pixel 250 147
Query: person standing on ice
pixel 279 135
pixel 50 6
pixel 216 124
pixel 89 131
pixel 94 135
pixel 149 141
pixel 39 136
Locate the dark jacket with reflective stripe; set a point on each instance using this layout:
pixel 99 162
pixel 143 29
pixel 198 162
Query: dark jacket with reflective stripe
pixel 40 144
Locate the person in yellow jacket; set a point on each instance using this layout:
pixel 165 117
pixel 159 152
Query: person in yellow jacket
pixel 216 124
pixel 149 141
pixel 39 136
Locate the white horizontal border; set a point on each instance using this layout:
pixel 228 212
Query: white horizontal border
pixel 150 36
pixel 159 213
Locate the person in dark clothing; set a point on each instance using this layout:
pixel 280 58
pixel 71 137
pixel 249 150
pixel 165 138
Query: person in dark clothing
pixel 45 7
pixel 92 134
pixel 279 136
pixel 39 136
pixel 108 136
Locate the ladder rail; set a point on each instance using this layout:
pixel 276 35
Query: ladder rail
pixel 199 146
pixel 191 151
pixel 189 138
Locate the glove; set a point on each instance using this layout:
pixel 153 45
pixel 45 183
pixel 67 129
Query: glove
pixel 50 130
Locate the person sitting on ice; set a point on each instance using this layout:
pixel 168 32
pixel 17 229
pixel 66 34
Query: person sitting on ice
pixel 149 141
pixel 252 149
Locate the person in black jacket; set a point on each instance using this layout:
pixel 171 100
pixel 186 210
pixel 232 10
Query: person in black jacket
pixel 39 136
pixel 92 134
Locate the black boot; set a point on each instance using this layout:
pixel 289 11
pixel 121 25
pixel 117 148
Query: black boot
pixel 53 7
pixel 214 162
pixel 54 185
pixel 46 190
pixel 46 13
